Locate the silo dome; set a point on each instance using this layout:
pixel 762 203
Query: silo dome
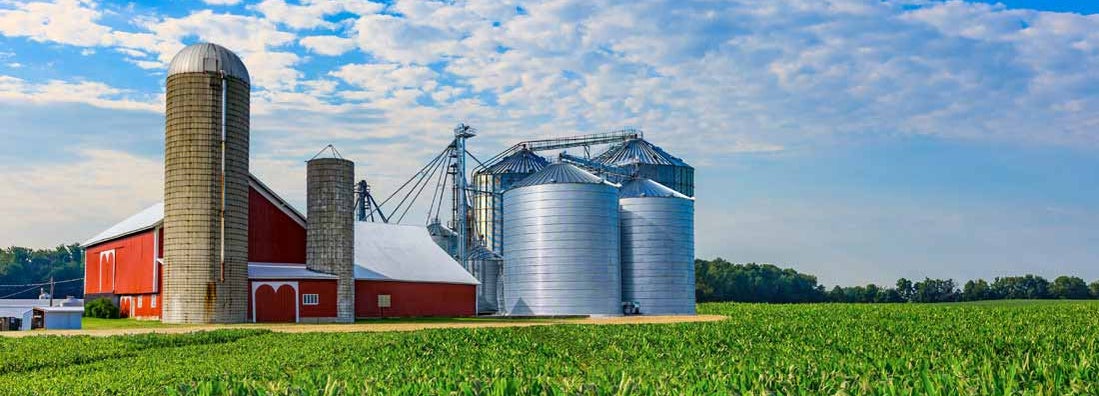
pixel 208 57
pixel 562 253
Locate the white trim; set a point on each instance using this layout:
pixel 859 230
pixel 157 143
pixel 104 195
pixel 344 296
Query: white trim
pixel 276 285
pixel 111 257
pixel 316 299
pixel 280 203
pixel 156 252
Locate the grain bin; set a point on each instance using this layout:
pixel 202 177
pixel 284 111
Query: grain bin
pixel 486 267
pixel 206 187
pixel 330 228
pixel 657 248
pixel 492 181
pixel 561 234
pixel 652 162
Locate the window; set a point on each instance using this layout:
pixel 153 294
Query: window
pixel 139 301
pixel 384 301
pixel 310 299
pixel 152 301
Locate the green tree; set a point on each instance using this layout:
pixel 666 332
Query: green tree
pixel 1030 287
pixel 1069 288
pixel 906 289
pixel 976 291
pixel 1094 286
pixel 936 290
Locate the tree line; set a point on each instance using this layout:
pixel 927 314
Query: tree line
pixel 22 266
pixel 720 280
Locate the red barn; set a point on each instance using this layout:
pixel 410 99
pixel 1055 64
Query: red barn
pixel 399 271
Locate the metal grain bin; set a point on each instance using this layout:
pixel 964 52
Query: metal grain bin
pixel 489 183
pixel 486 267
pixel 206 187
pixel 561 234
pixel 651 162
pixel 657 248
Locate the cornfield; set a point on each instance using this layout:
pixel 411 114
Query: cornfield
pixel 896 349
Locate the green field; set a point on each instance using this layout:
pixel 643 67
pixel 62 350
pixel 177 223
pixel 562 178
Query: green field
pixel 1004 348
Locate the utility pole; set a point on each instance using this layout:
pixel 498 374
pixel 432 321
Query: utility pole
pixel 461 133
pixel 51 291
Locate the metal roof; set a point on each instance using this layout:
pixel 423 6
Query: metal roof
pixel 61 309
pixel 642 187
pixel 154 216
pixel 637 151
pixel 396 252
pixel 523 161
pixel 208 57
pixel 284 271
pixel 143 220
pixel 560 173
pixel 14 312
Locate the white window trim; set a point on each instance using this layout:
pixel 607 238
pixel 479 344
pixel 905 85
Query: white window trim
pixel 305 299
pixel 139 301
pixel 152 301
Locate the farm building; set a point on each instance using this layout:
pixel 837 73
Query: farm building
pixel 28 314
pixel 611 234
pixel 399 264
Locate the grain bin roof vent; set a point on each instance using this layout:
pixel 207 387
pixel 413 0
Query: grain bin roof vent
pixel 208 57
pixel 560 173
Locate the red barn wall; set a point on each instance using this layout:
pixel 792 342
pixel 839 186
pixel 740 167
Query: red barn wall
pixel 130 272
pixel 273 236
pixel 326 298
pixel 143 306
pixel 409 299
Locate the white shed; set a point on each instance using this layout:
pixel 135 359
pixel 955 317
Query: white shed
pixel 59 318
pixel 24 314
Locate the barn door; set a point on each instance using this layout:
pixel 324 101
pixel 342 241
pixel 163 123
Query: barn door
pixel 275 303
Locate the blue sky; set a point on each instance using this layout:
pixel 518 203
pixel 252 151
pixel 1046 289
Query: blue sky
pixel 860 141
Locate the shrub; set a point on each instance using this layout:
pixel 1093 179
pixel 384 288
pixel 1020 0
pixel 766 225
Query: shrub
pixel 102 308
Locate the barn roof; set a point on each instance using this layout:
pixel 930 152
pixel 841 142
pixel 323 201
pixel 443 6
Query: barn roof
pixel 154 215
pixel 399 252
pixel 284 271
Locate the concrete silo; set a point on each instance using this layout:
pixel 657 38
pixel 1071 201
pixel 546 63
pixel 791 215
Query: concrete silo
pixel 561 238
pixel 657 248
pixel 206 187
pixel 651 162
pixel 330 227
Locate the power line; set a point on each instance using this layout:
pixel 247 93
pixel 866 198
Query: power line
pixel 43 283
pixel 19 292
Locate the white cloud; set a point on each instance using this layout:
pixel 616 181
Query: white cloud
pixel 92 93
pixel 112 184
pixel 328 45
pixel 312 12
pixel 63 21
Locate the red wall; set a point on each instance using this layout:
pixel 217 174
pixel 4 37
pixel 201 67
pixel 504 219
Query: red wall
pixel 128 306
pixel 326 299
pixel 130 272
pixel 410 299
pixel 273 236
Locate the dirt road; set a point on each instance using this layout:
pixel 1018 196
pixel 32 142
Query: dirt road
pixel 380 326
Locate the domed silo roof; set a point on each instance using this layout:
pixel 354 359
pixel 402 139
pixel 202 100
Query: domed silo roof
pixel 645 188
pixel 523 161
pixel 208 57
pixel 638 151
pixel 560 173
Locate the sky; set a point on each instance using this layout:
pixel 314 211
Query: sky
pixel 859 141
